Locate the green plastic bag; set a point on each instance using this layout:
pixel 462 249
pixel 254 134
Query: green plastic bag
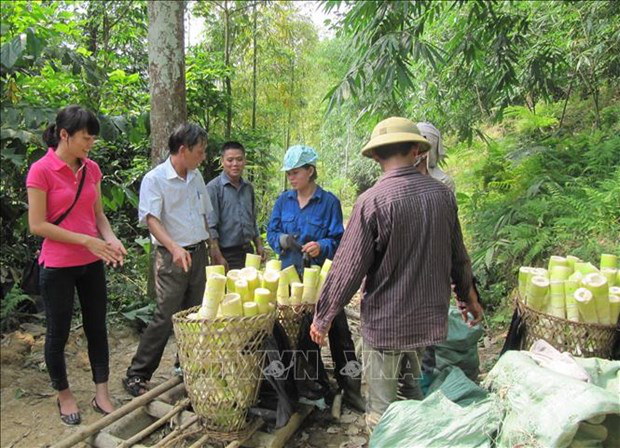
pixel 544 408
pixel 437 422
pixel 460 348
pixel 457 388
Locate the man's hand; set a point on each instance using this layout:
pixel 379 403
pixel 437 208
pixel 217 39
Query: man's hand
pixel 218 258
pixel 317 336
pixel 472 306
pixel 312 248
pixel 181 258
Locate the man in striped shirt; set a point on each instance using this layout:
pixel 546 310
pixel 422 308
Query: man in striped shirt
pixel 405 240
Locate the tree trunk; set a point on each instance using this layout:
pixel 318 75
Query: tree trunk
pixel 254 71
pixel 570 89
pixel 166 72
pixel 226 63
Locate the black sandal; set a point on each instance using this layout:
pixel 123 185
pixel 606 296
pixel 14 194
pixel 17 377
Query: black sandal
pixel 135 385
pixel 69 419
pixel 97 408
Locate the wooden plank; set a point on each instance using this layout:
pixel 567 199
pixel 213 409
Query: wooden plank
pixel 173 395
pixel 255 427
pixel 157 409
pixel 155 425
pixel 130 424
pixel 279 438
pixel 134 404
pixel 337 406
pixel 107 440
pixel 178 430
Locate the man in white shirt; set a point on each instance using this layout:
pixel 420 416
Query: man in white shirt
pixel 173 205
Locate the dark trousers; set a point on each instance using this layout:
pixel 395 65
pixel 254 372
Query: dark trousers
pixel 235 256
pixel 341 347
pixel 175 290
pixel 58 287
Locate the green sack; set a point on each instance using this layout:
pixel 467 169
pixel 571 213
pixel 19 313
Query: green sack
pixel 457 388
pixel 544 408
pixel 460 348
pixel 437 422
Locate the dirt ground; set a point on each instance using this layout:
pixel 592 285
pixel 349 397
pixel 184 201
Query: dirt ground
pixel 29 416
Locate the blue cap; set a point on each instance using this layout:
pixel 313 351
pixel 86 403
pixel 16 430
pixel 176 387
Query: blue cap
pixel 297 156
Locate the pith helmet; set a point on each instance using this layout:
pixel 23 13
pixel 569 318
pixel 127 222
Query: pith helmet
pixel 395 130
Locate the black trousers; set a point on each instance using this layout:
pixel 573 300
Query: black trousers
pixel 58 287
pixel 235 256
pixel 341 348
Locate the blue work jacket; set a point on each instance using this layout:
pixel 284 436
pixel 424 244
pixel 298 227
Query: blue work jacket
pixel 320 220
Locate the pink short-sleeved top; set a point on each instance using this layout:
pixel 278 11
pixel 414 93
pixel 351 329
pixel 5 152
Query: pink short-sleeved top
pixel 53 175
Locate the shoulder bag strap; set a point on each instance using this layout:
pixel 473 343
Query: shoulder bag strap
pixel 77 195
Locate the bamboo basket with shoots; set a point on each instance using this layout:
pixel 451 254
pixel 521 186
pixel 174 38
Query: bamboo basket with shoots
pixel 572 304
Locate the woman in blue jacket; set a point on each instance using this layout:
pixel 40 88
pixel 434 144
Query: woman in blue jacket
pixel 305 228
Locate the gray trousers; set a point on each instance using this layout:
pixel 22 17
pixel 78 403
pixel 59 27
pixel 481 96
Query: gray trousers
pixel 175 290
pixel 388 374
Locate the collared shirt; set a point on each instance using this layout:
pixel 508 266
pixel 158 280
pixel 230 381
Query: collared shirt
pixel 180 204
pixel 52 175
pixel 232 219
pixel 404 236
pixel 320 220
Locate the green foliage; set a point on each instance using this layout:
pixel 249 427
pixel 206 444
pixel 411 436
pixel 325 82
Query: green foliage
pixel 532 86
pixel 542 195
pixel 10 304
pixel 459 63
pixel 528 121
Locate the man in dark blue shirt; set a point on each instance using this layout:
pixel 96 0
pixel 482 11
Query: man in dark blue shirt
pixel 232 220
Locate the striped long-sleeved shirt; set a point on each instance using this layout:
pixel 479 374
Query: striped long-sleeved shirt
pixel 405 238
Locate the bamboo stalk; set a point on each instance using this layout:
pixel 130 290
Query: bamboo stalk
pixel 117 414
pixel 176 432
pixel 200 442
pixel 337 406
pixel 156 424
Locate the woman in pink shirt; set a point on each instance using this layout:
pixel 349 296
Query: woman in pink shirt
pixel 73 251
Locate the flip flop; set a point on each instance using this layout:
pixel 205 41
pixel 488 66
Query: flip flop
pixel 97 408
pixel 69 419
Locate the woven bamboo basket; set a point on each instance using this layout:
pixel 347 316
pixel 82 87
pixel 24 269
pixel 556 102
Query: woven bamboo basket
pixel 221 360
pixel 290 317
pixel 578 338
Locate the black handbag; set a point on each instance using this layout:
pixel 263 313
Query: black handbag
pixel 30 276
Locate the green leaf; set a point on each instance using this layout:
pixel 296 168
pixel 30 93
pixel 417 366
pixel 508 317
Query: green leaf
pixel 34 45
pixel 117 75
pixel 11 51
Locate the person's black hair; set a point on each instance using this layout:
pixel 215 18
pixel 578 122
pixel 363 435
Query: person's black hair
pixel 232 145
pixel 389 151
pixel 188 135
pixel 315 174
pixel 72 119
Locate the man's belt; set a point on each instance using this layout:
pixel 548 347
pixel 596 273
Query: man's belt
pixel 191 248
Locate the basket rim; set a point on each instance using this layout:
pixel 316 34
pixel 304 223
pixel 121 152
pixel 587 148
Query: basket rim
pixel 522 305
pixel 181 317
pixel 300 305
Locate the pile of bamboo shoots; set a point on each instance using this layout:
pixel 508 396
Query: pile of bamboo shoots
pixel 251 291
pixel 573 289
